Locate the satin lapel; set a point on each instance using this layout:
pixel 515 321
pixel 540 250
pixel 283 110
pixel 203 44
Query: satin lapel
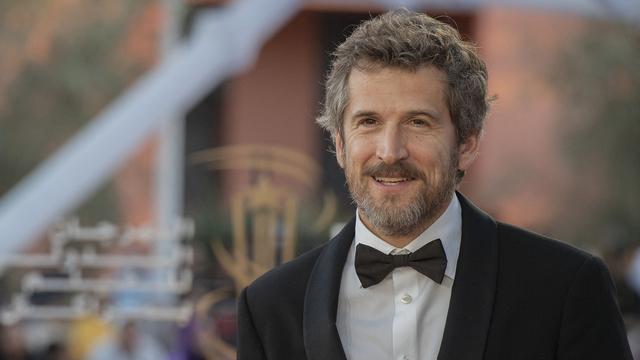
pixel 321 339
pixel 472 296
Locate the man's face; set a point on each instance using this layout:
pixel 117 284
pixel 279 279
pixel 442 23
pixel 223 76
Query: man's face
pixel 399 149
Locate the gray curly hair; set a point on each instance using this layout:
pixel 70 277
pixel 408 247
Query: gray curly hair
pixel 409 40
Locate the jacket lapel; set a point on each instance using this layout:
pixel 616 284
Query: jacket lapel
pixel 321 339
pixel 474 287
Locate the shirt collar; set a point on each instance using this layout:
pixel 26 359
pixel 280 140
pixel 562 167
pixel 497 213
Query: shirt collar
pixel 447 228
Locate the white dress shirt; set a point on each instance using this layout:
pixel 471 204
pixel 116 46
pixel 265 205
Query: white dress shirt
pixel 402 317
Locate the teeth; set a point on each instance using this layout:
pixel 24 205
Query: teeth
pixel 391 180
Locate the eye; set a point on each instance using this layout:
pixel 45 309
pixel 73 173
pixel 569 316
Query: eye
pixel 419 122
pixel 367 121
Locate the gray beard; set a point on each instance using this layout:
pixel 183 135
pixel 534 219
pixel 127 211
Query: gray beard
pixel 393 220
pixel 402 220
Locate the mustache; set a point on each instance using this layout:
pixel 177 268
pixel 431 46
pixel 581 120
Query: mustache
pixel 399 169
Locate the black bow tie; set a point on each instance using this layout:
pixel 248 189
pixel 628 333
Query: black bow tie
pixel 372 265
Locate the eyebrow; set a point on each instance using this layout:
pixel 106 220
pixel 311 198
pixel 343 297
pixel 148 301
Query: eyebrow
pixel 364 113
pixel 435 115
pixel 430 114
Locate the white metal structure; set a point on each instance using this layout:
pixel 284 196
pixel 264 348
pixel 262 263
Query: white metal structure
pixel 225 41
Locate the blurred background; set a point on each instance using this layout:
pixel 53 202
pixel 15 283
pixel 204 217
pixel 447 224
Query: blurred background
pixel 126 159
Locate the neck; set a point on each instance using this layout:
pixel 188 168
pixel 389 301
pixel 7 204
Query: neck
pixel 402 240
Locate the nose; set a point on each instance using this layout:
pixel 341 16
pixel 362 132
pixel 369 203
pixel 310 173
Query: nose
pixel 391 146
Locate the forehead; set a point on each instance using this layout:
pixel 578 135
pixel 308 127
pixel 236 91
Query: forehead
pixel 393 89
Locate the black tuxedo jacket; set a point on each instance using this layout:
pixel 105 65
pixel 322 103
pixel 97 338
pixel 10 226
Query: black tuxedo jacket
pixel 516 296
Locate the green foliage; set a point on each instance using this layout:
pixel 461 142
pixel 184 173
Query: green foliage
pixel 600 79
pixel 49 100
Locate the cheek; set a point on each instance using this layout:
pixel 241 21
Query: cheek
pixel 433 161
pixel 359 151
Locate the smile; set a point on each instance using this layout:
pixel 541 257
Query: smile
pixel 391 180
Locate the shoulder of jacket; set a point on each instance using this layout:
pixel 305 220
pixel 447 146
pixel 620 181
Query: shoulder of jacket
pixel 532 243
pixel 284 275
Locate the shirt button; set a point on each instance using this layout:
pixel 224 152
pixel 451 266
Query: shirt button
pixel 406 299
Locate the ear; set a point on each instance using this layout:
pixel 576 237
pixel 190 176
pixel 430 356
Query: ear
pixel 339 150
pixel 468 152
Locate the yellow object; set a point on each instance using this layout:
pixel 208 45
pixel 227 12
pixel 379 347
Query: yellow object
pixel 85 334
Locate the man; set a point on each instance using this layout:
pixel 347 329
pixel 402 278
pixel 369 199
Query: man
pixel 421 273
